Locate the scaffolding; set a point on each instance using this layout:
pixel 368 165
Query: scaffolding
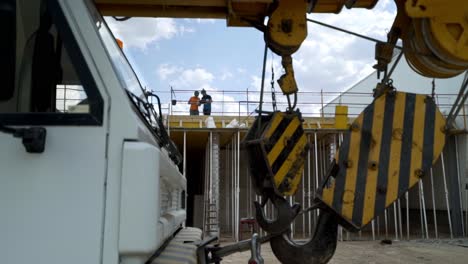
pixel 437 208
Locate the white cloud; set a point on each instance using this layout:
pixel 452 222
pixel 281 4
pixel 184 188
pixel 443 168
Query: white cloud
pixel 226 75
pixel 141 32
pixel 241 70
pixel 166 70
pixel 194 79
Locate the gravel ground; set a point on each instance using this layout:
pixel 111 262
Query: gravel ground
pixel 441 251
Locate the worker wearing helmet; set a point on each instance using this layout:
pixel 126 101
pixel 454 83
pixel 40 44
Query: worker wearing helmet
pixel 206 101
pixel 194 102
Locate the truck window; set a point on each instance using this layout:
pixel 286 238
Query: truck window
pixel 123 69
pixel 50 84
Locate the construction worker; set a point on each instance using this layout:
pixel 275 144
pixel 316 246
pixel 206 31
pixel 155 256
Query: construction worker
pixel 194 102
pixel 206 101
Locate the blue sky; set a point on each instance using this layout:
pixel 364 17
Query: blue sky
pixel 191 54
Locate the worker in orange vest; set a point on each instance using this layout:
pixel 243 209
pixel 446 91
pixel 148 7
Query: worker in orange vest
pixel 194 102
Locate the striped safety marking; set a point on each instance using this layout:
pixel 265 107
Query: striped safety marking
pixel 285 151
pixel 181 249
pixel 389 147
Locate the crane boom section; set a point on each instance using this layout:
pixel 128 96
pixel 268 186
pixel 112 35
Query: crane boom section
pixel 236 12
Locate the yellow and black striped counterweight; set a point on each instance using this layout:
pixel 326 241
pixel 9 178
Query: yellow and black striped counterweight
pixel 277 152
pixel 388 149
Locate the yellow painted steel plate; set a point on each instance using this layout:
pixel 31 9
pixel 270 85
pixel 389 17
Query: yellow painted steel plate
pixel 285 149
pixel 389 147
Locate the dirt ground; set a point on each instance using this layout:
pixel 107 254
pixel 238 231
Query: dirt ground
pixel 446 252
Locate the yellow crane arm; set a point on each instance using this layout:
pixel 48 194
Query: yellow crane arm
pixel 284 33
pixel 236 12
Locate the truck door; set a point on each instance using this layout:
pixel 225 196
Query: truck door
pixel 51 201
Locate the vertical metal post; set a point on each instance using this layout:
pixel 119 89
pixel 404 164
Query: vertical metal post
pixel 308 186
pixel 373 229
pixel 184 169
pixel 466 208
pixel 399 219
pixel 211 167
pixel 292 223
pixel 185 155
pixel 303 202
pixel 316 168
pixel 65 99
pixel 321 102
pixel 249 191
pixel 459 185
pixel 233 188
pixel 424 208
pixel 237 184
pixel 378 226
pixel 395 220
pixel 340 228
pixel 226 184
pixel 324 157
pixel 446 194
pixel 407 215
pixel 434 204
pixel 248 112
pixel 386 223
pixel 236 231
pixel 420 212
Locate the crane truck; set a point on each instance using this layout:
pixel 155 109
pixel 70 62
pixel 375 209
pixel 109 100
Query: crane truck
pixel 97 180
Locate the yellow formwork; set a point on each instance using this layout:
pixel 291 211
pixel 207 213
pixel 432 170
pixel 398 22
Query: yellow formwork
pixel 197 134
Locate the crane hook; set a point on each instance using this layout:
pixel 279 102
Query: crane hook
pixel 319 250
pixel 285 214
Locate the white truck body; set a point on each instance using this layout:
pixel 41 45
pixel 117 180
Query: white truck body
pixel 103 190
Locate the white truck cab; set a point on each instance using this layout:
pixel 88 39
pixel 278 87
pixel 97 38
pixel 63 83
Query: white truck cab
pixel 87 171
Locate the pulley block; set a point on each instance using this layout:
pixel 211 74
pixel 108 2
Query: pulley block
pixel 420 57
pixel 388 149
pixel 277 147
pixel 436 42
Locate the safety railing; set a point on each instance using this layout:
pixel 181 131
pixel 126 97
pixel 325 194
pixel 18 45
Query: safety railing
pixel 244 103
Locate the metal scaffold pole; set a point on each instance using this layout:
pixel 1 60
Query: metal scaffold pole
pixel 185 154
pixel 446 194
pixel 309 198
pixel 434 204
pixel 395 219
pixel 316 169
pixel 340 228
pixel 423 203
pixel 303 201
pixel 233 190
pixel 237 183
pixel 459 188
pixel 226 185
pixel 407 215
pixel 400 223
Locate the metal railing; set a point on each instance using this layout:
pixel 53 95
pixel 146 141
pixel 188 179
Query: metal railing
pixel 244 103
